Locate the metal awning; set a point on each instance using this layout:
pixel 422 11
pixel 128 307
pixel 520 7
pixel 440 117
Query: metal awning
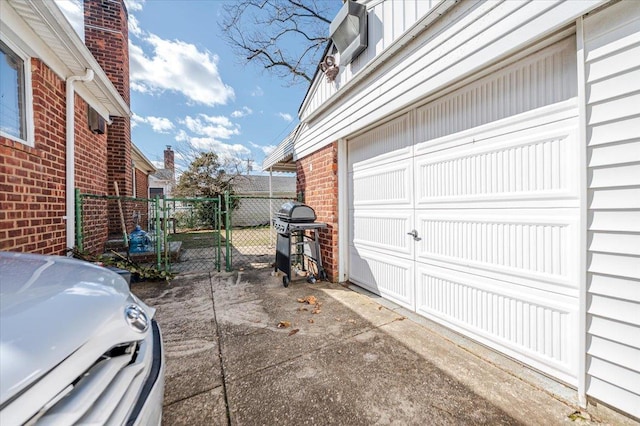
pixel 281 159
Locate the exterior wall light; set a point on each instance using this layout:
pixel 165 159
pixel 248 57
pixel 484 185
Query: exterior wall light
pixel 329 67
pixel 348 31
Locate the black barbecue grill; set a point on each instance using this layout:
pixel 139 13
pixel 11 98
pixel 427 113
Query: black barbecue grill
pixel 297 229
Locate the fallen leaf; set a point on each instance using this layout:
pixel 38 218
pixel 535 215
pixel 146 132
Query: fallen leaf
pixel 580 416
pixel 311 321
pixel 379 308
pixel 302 309
pixel 352 321
pixel 401 319
pixel 294 331
pixel 311 300
pixel 284 324
pixel 316 310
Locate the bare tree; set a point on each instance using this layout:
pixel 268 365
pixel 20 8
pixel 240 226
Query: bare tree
pixel 285 37
pixel 186 153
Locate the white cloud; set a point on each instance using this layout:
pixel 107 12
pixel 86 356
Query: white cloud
pixel 217 127
pixel 285 116
pixel 158 124
pixel 182 136
pixel 257 91
pixel 222 150
pixel 135 120
pixel 134 5
pixel 179 67
pixel 73 10
pixel 268 149
pixel 265 149
pixel 243 112
pixel 134 26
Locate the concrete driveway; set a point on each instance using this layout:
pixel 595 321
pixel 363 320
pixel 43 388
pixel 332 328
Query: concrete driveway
pixel 243 350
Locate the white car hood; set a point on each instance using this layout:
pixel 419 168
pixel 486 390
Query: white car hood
pixel 49 307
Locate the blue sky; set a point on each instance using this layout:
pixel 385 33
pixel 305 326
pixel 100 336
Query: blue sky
pixel 188 89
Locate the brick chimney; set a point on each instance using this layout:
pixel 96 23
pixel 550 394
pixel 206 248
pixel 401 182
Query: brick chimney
pixel 169 159
pixel 107 37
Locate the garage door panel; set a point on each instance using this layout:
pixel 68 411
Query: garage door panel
pixel 488 175
pixel 388 186
pixel 386 143
pixel 545 78
pixel 524 323
pixel 382 231
pixel 388 276
pixel 537 248
pixel 526 167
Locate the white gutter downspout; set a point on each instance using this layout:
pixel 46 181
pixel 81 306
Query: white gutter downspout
pixel 71 149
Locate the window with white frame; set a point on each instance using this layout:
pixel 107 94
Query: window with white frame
pixel 14 89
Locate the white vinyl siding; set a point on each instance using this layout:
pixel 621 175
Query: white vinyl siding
pixel 387 22
pixel 487 176
pixel 612 73
pixel 459 45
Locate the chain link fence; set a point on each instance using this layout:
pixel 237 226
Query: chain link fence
pixel 250 237
pixel 180 235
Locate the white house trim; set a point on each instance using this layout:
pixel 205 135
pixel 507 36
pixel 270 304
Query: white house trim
pixel 46 34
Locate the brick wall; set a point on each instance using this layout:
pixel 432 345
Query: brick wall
pixel 142 184
pixel 317 178
pixel 33 179
pixel 107 37
pixel 141 209
pixel 91 178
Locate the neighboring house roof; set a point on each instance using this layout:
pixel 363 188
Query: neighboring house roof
pixel 140 161
pixel 257 184
pixel 58 44
pixel 163 174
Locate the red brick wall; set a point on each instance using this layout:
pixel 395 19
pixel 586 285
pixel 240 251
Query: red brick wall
pixel 107 37
pixel 317 178
pixel 91 178
pixel 33 179
pixel 142 184
pixel 141 209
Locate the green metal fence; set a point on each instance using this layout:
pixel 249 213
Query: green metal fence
pixel 193 229
pixel 250 239
pixel 185 235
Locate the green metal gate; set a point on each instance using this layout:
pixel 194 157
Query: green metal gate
pixel 193 231
pixel 250 239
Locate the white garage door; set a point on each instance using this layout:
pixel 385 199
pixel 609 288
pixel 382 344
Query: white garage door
pixel 486 179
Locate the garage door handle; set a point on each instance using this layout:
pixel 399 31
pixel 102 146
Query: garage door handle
pixel 414 234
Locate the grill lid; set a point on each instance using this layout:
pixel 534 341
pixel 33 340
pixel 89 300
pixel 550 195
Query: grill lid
pixel 294 211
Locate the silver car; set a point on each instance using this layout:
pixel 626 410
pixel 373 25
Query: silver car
pixel 76 346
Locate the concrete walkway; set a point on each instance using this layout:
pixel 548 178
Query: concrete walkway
pixel 243 350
